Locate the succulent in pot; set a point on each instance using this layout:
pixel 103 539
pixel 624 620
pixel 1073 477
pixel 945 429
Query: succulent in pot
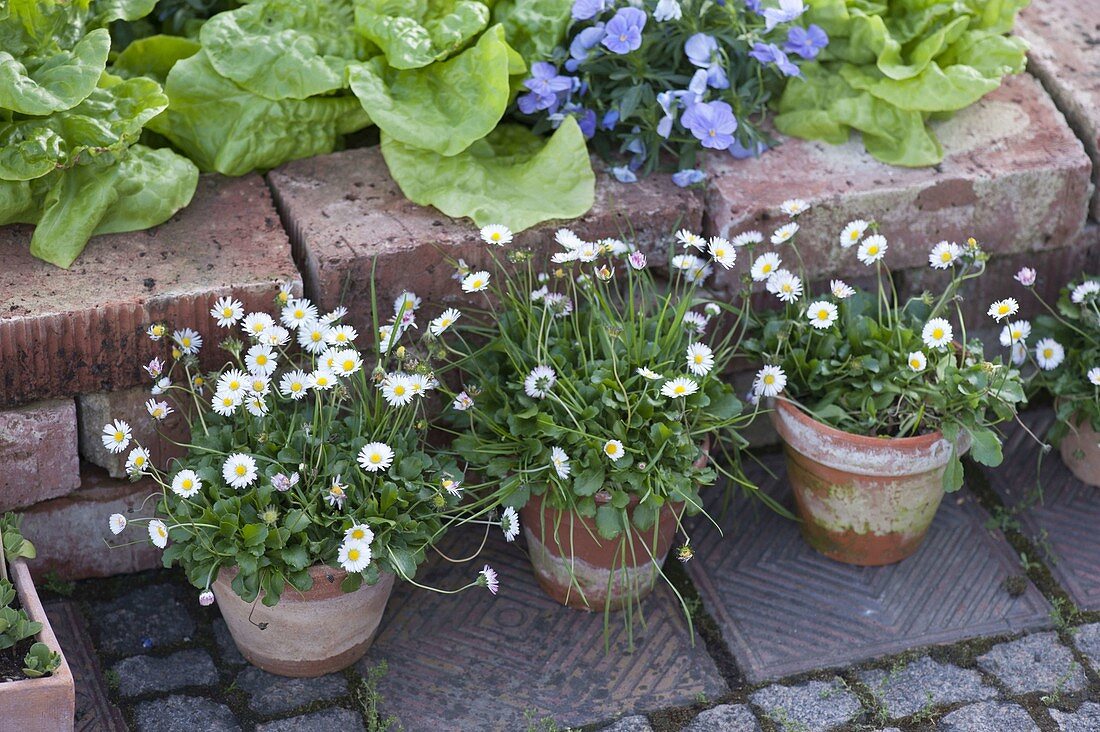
pixel 876 399
pixel 308 485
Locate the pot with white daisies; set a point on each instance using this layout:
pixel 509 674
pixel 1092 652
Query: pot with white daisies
pixel 1063 358
pixel 307 489
pixel 591 398
pixel 876 399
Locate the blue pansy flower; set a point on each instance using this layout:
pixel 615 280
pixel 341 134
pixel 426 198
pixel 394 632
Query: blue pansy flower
pixel 667 10
pixel 666 99
pixel 740 152
pixel 610 119
pixel 753 5
pixel 623 174
pixel 586 120
pixel 688 177
pixel 769 53
pixel 623 33
pixel 702 51
pixel 787 11
pixel 806 42
pixel 712 123
pixel 582 43
pixel 585 9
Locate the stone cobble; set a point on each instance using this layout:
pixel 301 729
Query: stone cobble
pixel 1087 640
pixel 142 619
pixel 326 720
pixel 1034 663
pixel 184 714
pixel 227 649
pixel 269 694
pixel 1085 719
pixel 140 675
pixel 988 717
pixel 815 706
pixel 923 684
pixel 724 718
pixel 633 723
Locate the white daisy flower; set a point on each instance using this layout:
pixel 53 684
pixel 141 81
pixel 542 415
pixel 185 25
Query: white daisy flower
pixel 1026 276
pixel 688 239
pixel 496 234
pixel 239 470
pixel 286 291
pixel 648 373
pixel 784 233
pixel 637 260
pixel 354 556
pixel 161 386
pixel 258 385
pixel 298 312
pixel 559 460
pixel 784 285
pixel 116 436
pixel 256 405
pixel 488 578
pixel 260 360
pixel 765 266
pixel 509 524
pixel 137 462
pixel 679 387
pixel 722 252
pixel 1003 309
pixel 567 239
pixel 156 331
pixel 539 382
pixel 794 206
pixel 226 402
pixel 154 368
pixel 341 335
pixel 227 311
pixel 189 341
pixel 589 252
pixel 419 384
pixel 853 232
pixel 359 532
pixel 917 361
pixel 937 333
pixel 283 482
pixel 313 336
pixel 158 410
pixel 1049 353
pixel 388 336
pixel 872 249
pixel 444 321
pixel 348 362
pixel 406 302
pixel 695 321
pixel 558 303
pixel 700 359
pixel 746 238
pixel 841 290
pixel 944 254
pixel 615 247
pixel 1019 354
pixel 1084 290
pixel 822 314
pixel 117 522
pixel 336 494
pixel 769 382
pixel 475 281
pixel 375 456
pixel 294 384
pixel 158 533
pixel 397 389
pixel 254 324
pixel 1094 375
pixel 322 379
pixel 276 335
pixel 569 255
pixel 462 402
pixel 712 309
pixel 233 381
pixel 613 449
pixel 331 317
pixel 697 269
pixel 186 483
pixel 1015 332
pixel 451 485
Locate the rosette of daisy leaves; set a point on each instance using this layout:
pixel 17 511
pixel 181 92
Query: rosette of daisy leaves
pixel 304 450
pixel 871 363
pixel 1062 351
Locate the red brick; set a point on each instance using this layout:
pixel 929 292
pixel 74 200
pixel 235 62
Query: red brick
pixel 1014 176
pixel 344 212
pixel 70 533
pixel 96 410
pixel 78 331
pixel 1065 56
pixel 38 455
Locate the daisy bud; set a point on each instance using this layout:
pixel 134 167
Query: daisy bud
pixel 685 553
pixel 637 260
pixel 206 598
pixel 1026 276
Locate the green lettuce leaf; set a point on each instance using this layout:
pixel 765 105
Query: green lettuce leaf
pixel 224 127
pixel 105 12
pixel 154 56
pixel 59 82
pixel 443 107
pixel 533 27
pixel 415 33
pixel 512 177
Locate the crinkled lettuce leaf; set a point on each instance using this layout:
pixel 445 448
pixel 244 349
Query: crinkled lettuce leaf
pixel 415 33
pixel 56 82
pixel 443 107
pixel 534 27
pixel 154 56
pixel 511 177
pixel 224 127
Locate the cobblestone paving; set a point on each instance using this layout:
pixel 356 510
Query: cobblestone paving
pixel 148 658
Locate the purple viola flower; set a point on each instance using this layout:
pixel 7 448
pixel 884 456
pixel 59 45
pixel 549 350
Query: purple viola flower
pixel 635 145
pixel 585 9
pixel 584 42
pixel 740 152
pixel 712 123
pixel 753 5
pixel 688 177
pixel 586 120
pixel 545 80
pixel 716 77
pixel 769 53
pixel 623 33
pixel 806 42
pixel 666 99
pixel 623 174
pixel 700 49
pixel 787 11
pixel 610 119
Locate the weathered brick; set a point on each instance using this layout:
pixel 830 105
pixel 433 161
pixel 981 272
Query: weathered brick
pixel 346 216
pixel 70 533
pixel 38 456
pixel 80 331
pixel 1064 56
pixel 1014 176
pixel 96 410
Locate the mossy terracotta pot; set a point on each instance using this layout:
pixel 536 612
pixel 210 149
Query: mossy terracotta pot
pixel 45 704
pixel 581 569
pixel 862 500
pixel 1080 450
pixel 306 634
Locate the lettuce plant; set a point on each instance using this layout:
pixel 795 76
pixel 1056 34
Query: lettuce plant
pixel 69 162
pixel 890 67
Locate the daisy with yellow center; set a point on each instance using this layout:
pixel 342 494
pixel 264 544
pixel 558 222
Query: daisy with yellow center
pixel 614 450
pixel 375 456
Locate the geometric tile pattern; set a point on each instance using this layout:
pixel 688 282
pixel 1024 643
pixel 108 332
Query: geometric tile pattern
pixel 1068 512
pixel 784 609
pixel 475 661
pixel 94 711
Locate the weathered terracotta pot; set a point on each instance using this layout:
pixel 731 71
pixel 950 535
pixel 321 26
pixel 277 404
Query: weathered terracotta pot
pixel 862 500
pixel 1080 450
pixel 311 634
pixel 46 704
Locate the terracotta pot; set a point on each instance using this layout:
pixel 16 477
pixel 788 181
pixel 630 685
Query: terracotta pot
pixel 580 569
pixel 46 704
pixel 862 500
pixel 306 634
pixel 1080 450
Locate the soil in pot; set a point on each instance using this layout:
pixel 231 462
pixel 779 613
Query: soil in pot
pixel 11 659
pixel 306 634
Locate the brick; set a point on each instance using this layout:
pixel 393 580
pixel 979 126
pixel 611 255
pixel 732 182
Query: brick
pixel 344 213
pixel 96 410
pixel 38 456
pixel 80 331
pixel 70 532
pixel 1064 56
pixel 1014 176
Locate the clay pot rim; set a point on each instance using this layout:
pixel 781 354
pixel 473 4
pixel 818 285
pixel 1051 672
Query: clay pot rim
pixel 914 443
